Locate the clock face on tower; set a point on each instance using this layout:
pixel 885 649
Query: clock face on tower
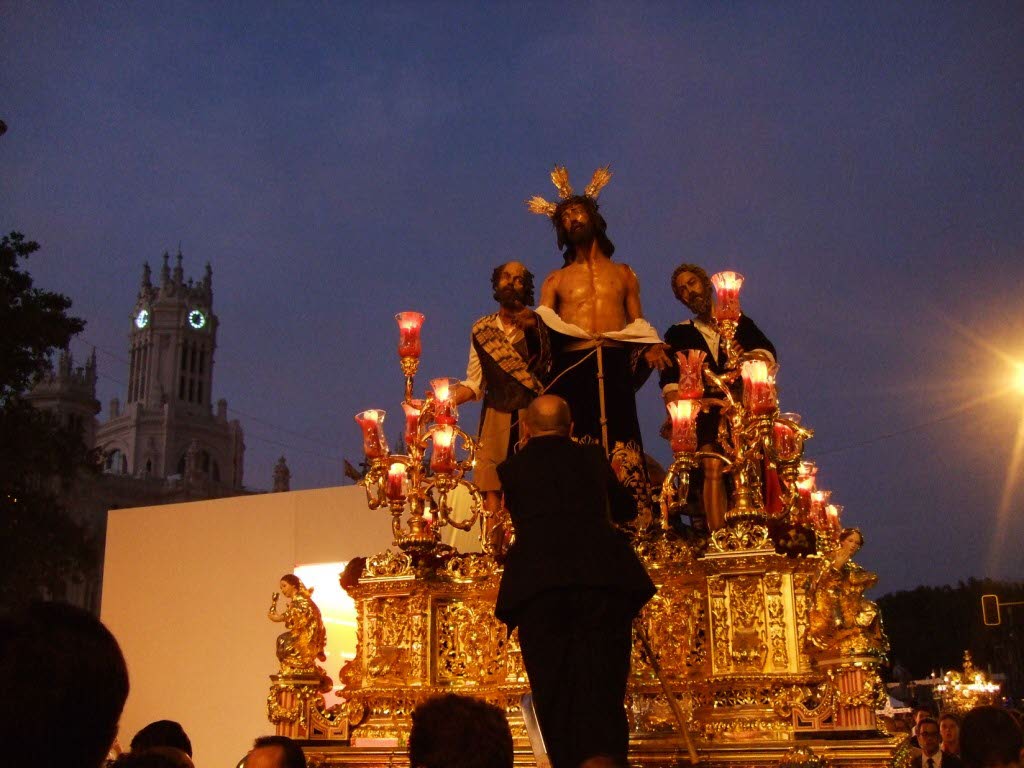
pixel 196 319
pixel 142 319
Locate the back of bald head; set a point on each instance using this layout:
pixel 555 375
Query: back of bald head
pixel 548 415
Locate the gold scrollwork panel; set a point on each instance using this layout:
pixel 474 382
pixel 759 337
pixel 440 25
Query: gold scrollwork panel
pixel 471 645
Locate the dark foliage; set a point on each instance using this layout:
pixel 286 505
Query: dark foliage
pixel 35 323
pixel 42 548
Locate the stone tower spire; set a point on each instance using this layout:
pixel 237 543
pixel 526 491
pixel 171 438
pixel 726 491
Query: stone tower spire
pixel 282 476
pixel 179 273
pixel 169 404
pixel 69 394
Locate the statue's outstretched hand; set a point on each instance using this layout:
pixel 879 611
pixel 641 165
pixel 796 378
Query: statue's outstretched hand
pixel 526 318
pixel 656 356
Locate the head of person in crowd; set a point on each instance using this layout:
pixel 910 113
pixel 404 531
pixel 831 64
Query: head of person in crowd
pixel 275 752
pixel 991 738
pixel 53 658
pixel 548 415
pixel 928 736
pixel 453 731
pixel 154 757
pixel 162 733
pixel 901 723
pixel 949 730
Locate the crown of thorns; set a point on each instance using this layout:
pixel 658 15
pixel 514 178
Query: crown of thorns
pixel 560 178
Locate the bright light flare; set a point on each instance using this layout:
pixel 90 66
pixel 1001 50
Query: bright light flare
pixel 339 614
pixel 1013 472
pixel 1018 377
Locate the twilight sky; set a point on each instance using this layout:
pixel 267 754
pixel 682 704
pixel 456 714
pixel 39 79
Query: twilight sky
pixel 862 164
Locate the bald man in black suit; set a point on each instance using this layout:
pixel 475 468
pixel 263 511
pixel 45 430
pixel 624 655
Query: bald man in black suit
pixel 572 584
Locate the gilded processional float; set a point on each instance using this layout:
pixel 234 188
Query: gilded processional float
pixel 759 648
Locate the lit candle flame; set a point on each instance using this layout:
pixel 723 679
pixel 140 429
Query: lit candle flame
pixel 442 389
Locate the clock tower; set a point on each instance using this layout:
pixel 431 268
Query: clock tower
pixel 168 426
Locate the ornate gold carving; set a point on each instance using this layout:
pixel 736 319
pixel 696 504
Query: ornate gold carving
pixel 746 612
pixel 470 567
pixel 389 638
pixel 296 707
pixel 871 692
pixel 652 713
pixel 801 606
pixel 803 757
pixel 749 727
pixel 288 699
pixel 740 535
pixel 677 627
pixel 719 624
pixel 785 699
pixel 470 642
pixel 388 563
pixel 816 707
pixel 662 551
pixel 776 608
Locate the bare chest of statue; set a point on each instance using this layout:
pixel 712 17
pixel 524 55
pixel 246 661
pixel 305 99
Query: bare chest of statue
pixel 592 295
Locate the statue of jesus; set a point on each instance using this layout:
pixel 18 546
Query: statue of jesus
pixel 603 349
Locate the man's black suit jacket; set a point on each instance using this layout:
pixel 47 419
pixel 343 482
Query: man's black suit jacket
pixel 686 335
pixel 948 761
pixel 562 497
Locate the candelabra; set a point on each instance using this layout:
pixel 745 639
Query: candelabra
pixel 407 481
pixel 759 446
pixel 960 692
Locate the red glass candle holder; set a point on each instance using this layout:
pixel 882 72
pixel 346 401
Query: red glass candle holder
pixel 371 422
pixel 691 378
pixel 409 325
pixel 395 489
pixel 784 437
pixel 445 411
pixel 727 294
pixel 805 482
pixel 819 501
pixel 833 511
pixel 684 424
pixel 442 455
pixel 758 388
pixel 412 410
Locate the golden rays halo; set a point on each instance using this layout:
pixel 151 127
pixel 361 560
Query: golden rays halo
pixel 560 178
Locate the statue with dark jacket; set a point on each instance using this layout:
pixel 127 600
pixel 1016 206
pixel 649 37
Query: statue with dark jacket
pixel 692 286
pixel 509 358
pixel 572 584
